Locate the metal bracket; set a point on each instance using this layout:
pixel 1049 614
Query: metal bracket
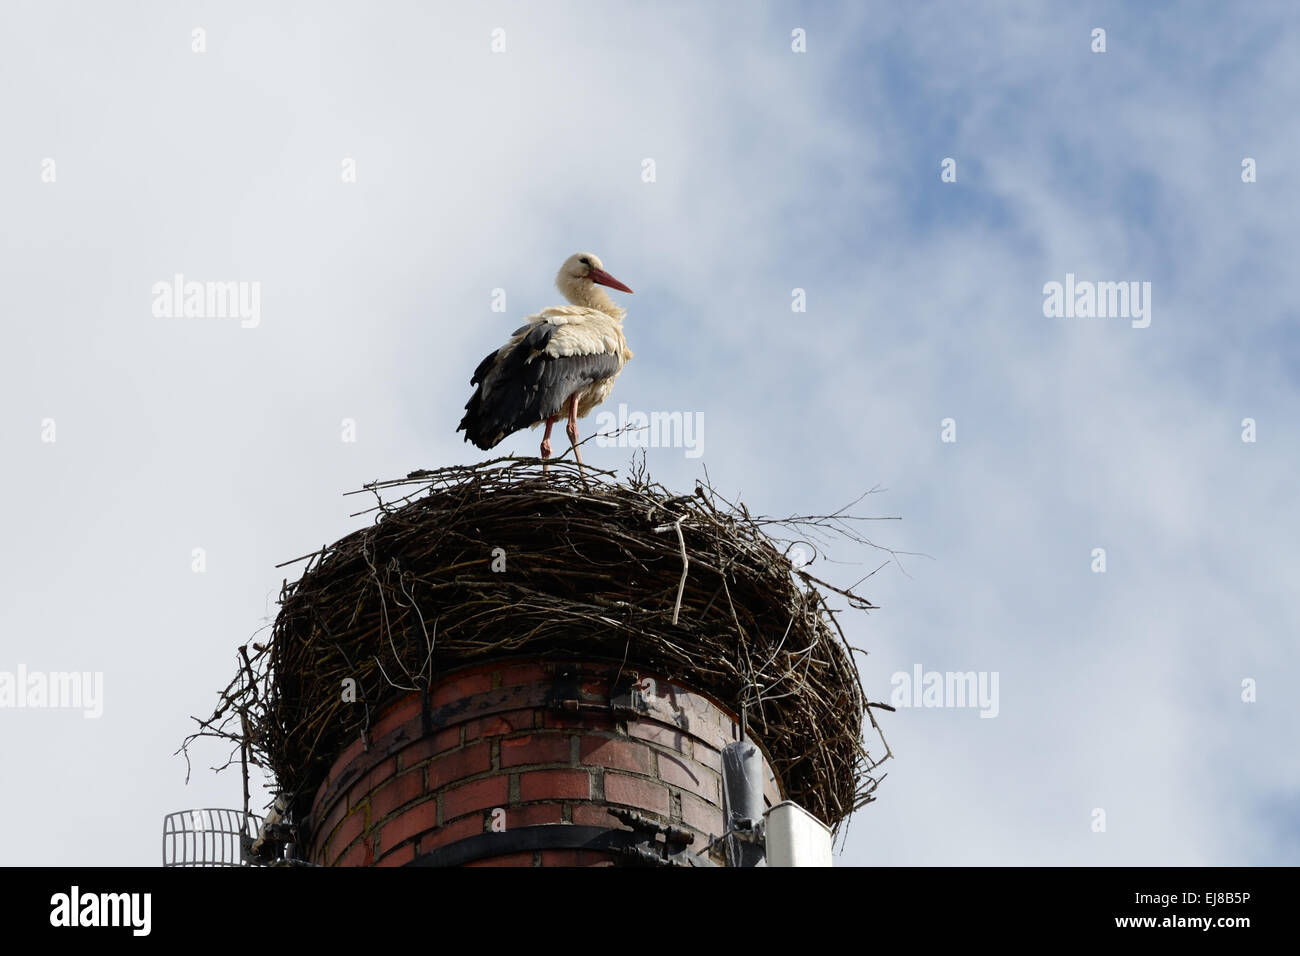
pixel 627 699
pixel 670 852
pixel 565 695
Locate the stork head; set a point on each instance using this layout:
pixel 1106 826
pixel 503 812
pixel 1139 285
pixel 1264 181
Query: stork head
pixel 578 277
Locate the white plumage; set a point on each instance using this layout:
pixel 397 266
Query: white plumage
pixel 581 331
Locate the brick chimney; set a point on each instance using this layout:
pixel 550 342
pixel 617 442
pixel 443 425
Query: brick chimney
pixel 520 762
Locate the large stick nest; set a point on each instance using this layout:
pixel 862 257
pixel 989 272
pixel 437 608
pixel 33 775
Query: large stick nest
pixel 593 569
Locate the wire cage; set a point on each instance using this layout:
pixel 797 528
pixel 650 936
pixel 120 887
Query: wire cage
pixel 209 837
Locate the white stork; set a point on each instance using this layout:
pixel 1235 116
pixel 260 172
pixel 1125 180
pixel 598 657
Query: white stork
pixel 563 361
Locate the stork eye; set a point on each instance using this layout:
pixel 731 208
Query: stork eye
pixel 585 261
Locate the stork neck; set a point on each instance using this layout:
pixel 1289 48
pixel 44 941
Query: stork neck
pixel 591 296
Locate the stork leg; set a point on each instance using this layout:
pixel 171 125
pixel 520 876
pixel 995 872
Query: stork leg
pixel 572 429
pixel 546 443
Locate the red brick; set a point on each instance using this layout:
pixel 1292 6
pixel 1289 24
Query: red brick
pixel 658 733
pixel 416 820
pixel 396 792
pixel 342 778
pixel 452 832
pixel 459 764
pixel 555 785
pixel 688 775
pixel 701 815
pixel 350 753
pixel 502 699
pixel 321 832
pixel 707 756
pixel 362 853
pixel 399 857
pixel 718 739
pixel 349 769
pixel 698 708
pixel 567 720
pixel 403 711
pixel 636 792
pixel 498 725
pixel 479 795
pixel 417 751
pixel 535 814
pixel 510 859
pixel 535 748
pixel 595 687
pixel 619 754
pixel 593 815
pixel 575 858
pixel 383 771
pixel 458 688
pixel 711 734
pixel 530 673
pixel 353 826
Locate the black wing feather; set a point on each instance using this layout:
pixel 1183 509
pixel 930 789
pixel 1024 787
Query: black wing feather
pixel 527 386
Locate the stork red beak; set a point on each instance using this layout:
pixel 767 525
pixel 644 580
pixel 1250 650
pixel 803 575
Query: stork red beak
pixel 604 278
